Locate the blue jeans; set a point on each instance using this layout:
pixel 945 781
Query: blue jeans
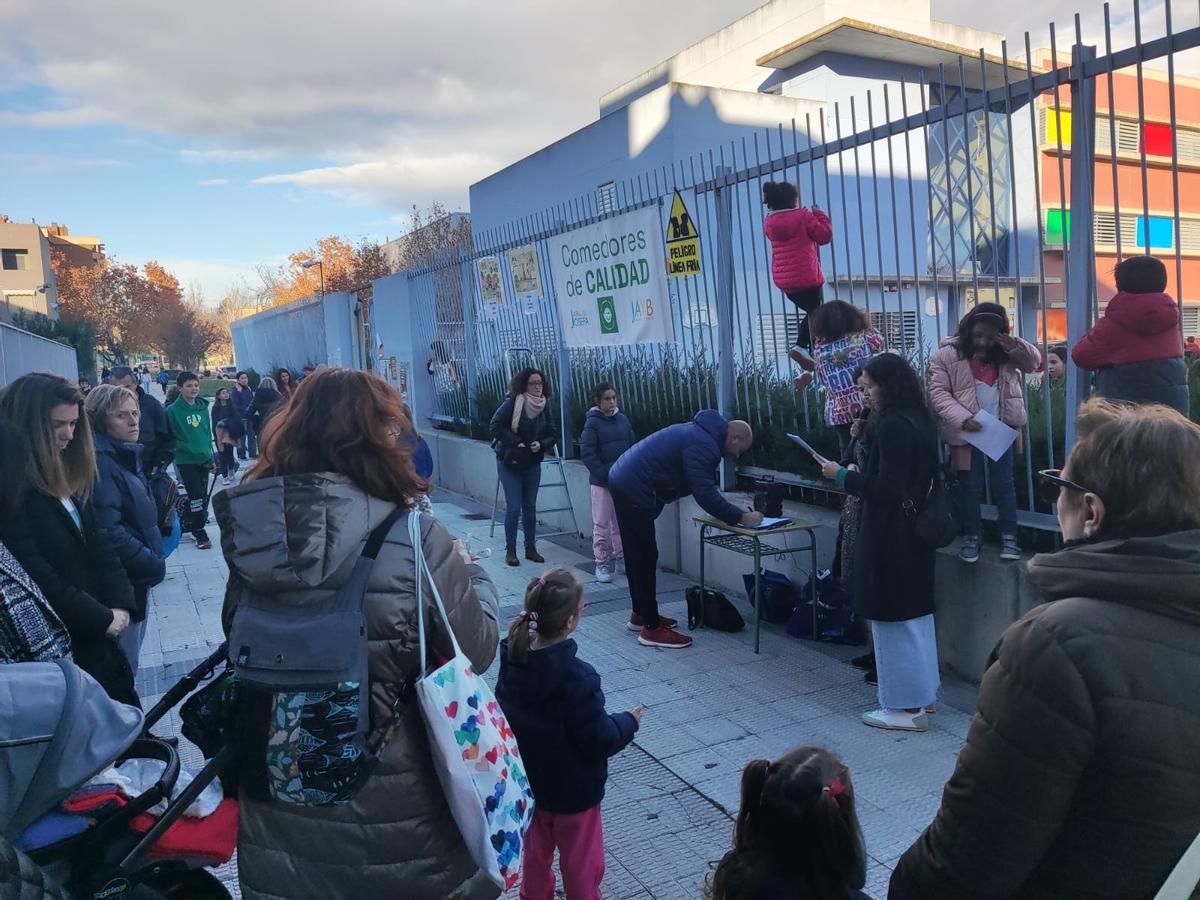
pixel 1004 492
pixel 520 496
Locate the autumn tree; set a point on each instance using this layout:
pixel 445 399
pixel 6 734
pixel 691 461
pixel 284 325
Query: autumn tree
pixel 432 233
pixel 121 303
pixel 187 334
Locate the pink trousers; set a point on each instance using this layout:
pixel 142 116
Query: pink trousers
pixel 579 838
pixel 606 536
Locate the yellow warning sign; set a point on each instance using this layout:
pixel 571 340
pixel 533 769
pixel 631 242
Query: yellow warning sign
pixel 683 241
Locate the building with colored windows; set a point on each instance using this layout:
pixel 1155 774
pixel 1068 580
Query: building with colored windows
pixel 1147 185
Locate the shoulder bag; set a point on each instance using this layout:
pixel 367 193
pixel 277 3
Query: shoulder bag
pixel 474 751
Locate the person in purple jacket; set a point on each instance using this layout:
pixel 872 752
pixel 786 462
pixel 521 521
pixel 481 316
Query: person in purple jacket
pixel 677 461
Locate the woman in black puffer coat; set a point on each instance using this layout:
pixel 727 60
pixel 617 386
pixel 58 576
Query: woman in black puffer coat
pixel 1080 776
pixel 124 505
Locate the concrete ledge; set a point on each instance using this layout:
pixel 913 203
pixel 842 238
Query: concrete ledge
pixel 974 603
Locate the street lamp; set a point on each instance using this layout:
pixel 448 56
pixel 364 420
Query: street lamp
pixel 321 271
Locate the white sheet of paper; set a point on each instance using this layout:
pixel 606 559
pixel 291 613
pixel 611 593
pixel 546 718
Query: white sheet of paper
pixel 768 522
pixel 994 440
pixel 807 447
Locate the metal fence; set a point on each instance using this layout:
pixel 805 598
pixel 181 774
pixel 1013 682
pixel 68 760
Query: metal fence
pixel 22 352
pixel 943 192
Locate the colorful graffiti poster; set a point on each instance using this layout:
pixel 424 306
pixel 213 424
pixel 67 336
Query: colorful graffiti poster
pixel 491 288
pixel 527 278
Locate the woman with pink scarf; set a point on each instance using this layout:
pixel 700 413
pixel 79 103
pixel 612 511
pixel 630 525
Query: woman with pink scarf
pixel 522 430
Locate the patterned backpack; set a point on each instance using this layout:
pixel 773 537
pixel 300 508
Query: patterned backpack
pixel 302 691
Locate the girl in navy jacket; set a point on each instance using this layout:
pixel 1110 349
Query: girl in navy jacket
pixel 607 434
pixel 555 706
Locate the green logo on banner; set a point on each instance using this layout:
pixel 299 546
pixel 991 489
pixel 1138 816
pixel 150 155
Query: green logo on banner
pixel 608 315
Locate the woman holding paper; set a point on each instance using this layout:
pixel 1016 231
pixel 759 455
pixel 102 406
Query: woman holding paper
pixel 892 577
pixel 980 370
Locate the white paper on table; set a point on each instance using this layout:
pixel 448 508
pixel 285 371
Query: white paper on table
pixel 807 448
pixel 995 438
pixel 768 522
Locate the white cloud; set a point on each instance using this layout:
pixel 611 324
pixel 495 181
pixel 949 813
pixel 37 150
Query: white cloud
pixel 393 181
pixel 50 163
pixel 391 102
pixel 213 182
pixel 222 156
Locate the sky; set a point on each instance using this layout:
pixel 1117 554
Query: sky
pixel 220 135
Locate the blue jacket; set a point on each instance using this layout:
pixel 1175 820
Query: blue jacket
pixel 603 441
pixel 674 462
pixel 555 707
pixel 242 399
pixel 125 510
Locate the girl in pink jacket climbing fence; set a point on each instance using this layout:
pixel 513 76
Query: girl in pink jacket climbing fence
pixel 796 235
pixel 982 368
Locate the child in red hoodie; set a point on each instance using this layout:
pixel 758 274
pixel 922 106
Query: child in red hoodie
pixel 1136 348
pixel 796 236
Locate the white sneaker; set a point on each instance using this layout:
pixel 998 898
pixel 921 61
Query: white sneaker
pixel 226 480
pixel 896 720
pixel 603 573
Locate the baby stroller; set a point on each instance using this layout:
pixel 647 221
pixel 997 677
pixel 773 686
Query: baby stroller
pixel 58 728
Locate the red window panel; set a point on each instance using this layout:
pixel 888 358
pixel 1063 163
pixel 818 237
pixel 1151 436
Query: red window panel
pixel 1156 139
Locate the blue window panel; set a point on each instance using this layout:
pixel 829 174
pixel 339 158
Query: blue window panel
pixel 1162 232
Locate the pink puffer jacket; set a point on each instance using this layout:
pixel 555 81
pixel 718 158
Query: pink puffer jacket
pixel 952 392
pixel 795 236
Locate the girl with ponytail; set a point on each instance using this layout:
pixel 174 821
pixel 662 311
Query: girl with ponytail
pixel 797 834
pixel 554 704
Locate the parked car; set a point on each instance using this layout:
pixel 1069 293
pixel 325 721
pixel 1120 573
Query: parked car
pixel 227 372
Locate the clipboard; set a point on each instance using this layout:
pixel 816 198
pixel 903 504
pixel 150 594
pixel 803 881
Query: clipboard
pixel 807 448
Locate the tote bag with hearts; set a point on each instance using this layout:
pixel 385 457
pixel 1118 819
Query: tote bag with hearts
pixel 474 751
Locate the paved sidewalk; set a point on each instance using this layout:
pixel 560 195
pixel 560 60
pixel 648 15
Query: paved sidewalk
pixel 672 795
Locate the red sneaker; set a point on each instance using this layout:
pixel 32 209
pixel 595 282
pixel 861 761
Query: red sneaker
pixel 802 358
pixel 636 624
pixel 662 636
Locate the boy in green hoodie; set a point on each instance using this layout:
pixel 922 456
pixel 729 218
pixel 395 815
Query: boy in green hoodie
pixel 194 452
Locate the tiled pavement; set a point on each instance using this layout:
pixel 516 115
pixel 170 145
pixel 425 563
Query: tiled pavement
pixel 671 796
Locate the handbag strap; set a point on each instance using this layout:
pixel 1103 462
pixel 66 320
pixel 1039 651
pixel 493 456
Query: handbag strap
pixel 422 573
pixel 1184 877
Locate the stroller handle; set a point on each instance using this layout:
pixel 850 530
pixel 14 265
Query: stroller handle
pixel 184 686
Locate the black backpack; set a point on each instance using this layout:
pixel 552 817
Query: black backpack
pixel 302 690
pixel 768 497
pixel 719 613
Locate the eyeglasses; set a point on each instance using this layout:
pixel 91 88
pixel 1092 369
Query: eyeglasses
pixel 1051 484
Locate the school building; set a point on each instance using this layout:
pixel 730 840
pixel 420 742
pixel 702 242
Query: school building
pixel 1136 145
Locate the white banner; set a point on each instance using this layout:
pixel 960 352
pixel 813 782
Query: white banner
pixel 611 282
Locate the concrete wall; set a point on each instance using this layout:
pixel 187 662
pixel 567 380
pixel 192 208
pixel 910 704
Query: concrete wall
pixel 393 324
pixel 318 331
pixel 19 287
pixel 727 58
pixel 975 603
pixel 671 123
pixel 22 353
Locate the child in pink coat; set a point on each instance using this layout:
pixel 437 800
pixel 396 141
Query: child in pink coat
pixel 796 235
pixel 982 368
